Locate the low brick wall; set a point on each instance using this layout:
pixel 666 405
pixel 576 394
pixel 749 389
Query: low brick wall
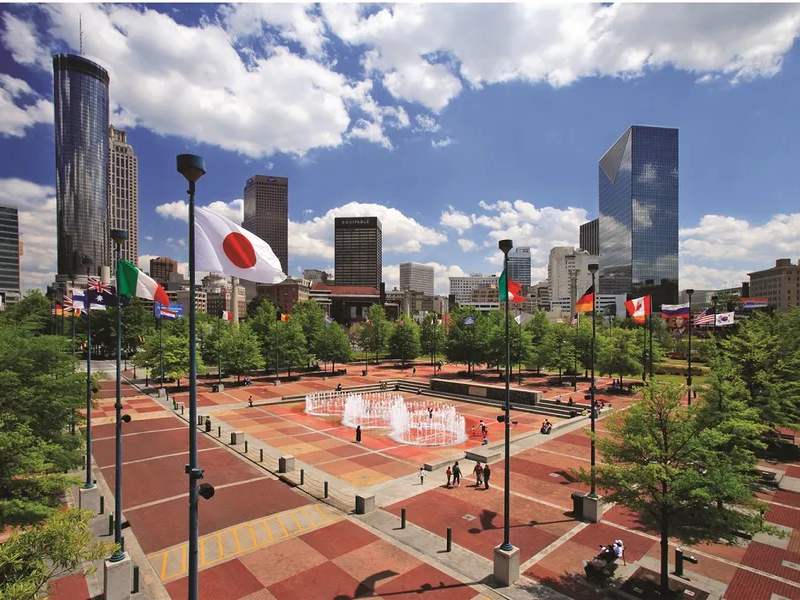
pixel 478 390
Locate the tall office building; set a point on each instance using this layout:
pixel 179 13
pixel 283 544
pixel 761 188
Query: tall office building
pixel 461 287
pixel 638 227
pixel 81 129
pixel 590 237
pixel 123 193
pixel 415 277
pixel 162 267
pixel 519 265
pixel 266 213
pixel 358 251
pixel 9 255
pixel 568 275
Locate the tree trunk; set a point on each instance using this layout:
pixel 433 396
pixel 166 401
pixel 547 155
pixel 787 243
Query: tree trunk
pixel 665 593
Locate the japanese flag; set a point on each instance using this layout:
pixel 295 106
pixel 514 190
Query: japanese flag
pixel 224 247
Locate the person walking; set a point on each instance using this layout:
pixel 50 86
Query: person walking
pixel 358 434
pixel 456 475
pixel 449 473
pixel 478 471
pixel 487 473
pixel 422 475
pixel 250 401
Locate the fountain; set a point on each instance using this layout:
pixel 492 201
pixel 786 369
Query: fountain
pixel 326 404
pixel 371 411
pixel 419 424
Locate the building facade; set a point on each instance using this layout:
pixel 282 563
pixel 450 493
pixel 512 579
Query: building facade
pixel 123 193
pixel 219 295
pixel 568 275
pixel 286 294
pixel 780 284
pixel 80 94
pixel 590 237
pixel 162 267
pixel 10 251
pixel 540 295
pixel 519 265
pixel 346 304
pixel 266 213
pixel 317 275
pixel 638 223
pixel 461 287
pixel 416 277
pixel 358 251
pixel 182 297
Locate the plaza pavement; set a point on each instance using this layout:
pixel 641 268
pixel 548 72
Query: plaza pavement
pixel 260 538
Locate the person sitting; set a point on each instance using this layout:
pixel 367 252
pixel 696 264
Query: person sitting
pixel 571 402
pixel 338 387
pixel 573 413
pixel 547 426
pixel 558 399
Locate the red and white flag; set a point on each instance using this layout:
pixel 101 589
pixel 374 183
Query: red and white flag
pixel 638 309
pixel 227 315
pixel 224 247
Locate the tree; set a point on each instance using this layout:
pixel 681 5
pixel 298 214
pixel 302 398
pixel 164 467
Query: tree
pixel 241 351
pixel 311 317
pixel 404 341
pixel 32 313
pixel 675 469
pixel 431 336
pixel 175 355
pixel 537 327
pixel 60 545
pixel 461 337
pixel 617 353
pixel 560 348
pixel 291 346
pixel 375 333
pixel 263 318
pixel 333 345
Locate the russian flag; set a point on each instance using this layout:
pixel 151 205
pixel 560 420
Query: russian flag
pixel 674 310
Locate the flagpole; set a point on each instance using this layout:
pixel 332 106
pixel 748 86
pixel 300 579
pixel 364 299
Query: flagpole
pixel 505 246
pixel 593 492
pixel 689 377
pixel 650 352
pixel 89 483
pixel 192 168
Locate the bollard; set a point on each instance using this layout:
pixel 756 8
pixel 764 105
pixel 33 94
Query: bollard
pixel 245 446
pixel 182 407
pixel 135 589
pixel 261 455
pixel 110 524
pixel 325 490
pixel 402 518
pixel 679 558
pixel 122 543
pixel 449 539
pixel 102 504
pixel 219 432
pixel 302 476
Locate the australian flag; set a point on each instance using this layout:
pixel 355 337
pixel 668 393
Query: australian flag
pixel 99 294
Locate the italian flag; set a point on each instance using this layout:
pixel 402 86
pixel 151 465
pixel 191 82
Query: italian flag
pixel 131 281
pixel 510 288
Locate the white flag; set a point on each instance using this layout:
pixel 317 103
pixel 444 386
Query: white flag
pixel 518 319
pixel 224 247
pixel 725 318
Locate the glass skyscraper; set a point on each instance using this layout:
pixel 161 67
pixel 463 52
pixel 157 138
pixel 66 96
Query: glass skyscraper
pixel 638 192
pixel 81 129
pixel 519 264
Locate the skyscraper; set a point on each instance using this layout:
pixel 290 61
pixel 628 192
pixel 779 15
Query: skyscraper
pixel 9 255
pixel 590 236
pixel 123 193
pixel 266 213
pixel 162 267
pixel 638 192
pixel 358 251
pixel 519 265
pixel 418 278
pixel 81 129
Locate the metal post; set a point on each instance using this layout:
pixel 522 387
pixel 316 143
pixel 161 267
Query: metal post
pixel 192 168
pixel 449 539
pixel 89 483
pixel 260 455
pixel 325 490
pixel 219 351
pixel 689 356
pixel 650 352
pixel 118 236
pixel 505 246
pixel 593 270
pixel 74 364
pixel 302 476
pixel 161 351
pixel 402 518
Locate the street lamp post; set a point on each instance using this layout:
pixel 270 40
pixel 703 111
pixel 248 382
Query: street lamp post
pixel 192 168
pixel 593 270
pixel 689 354
pixel 89 483
pixel 219 352
pixel 118 236
pixel 161 350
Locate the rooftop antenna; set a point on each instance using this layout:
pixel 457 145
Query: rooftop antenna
pixel 80 33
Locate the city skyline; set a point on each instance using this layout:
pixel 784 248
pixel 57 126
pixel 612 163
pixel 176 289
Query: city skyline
pixel 414 159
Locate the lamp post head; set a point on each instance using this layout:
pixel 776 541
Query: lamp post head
pixel 714 298
pixel 505 245
pixel 689 292
pixel 191 167
pixel 86 261
pixel 593 268
pixel 119 235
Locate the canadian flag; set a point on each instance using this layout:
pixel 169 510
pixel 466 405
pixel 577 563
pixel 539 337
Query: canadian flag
pixel 638 309
pixel 224 247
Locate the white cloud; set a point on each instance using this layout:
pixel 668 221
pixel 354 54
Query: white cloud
pixel 16 114
pixel 21 38
pixel 709 278
pixel 37 228
pixel 441 276
pixel 424 52
pixel 466 245
pixel 401 233
pixel 455 219
pixel 294 22
pixel 442 143
pixel 426 123
pixel 179 209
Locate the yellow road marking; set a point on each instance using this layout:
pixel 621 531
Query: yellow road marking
pixel 297 522
pixel 236 539
pixel 219 545
pixel 164 565
pixel 283 527
pixel 252 534
pixel 183 558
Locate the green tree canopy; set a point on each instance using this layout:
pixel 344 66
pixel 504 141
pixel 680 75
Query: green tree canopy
pixel 241 351
pixel 32 313
pixel 375 332
pixel 333 345
pixel 431 336
pixel 291 346
pixel 559 343
pixel 311 317
pixel 462 339
pixel 537 327
pixel 404 342
pixel 618 353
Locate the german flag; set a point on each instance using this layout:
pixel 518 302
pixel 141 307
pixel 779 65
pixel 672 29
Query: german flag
pixel 585 303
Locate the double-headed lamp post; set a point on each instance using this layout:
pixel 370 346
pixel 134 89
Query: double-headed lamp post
pixel 118 236
pixel 593 270
pixel 192 168
pixel 689 354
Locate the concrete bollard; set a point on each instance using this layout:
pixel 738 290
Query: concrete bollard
pixel 260 455
pixel 364 504
pixel 402 518
pixel 219 432
pixel 285 464
pixel 102 504
pixel 135 589
pixel 110 524
pixel 325 489
pixel 302 476
pixel 245 447
pixel 449 539
pixel 237 437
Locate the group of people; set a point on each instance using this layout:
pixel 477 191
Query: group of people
pixel 482 475
pixel 604 564
pixel 546 427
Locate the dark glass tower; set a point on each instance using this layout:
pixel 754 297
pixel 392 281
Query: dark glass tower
pixel 638 191
pixel 266 213
pixel 9 255
pixel 358 251
pixel 81 128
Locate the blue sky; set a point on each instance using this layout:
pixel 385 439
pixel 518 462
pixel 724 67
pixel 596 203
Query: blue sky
pixel 457 125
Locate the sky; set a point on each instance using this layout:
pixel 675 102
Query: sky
pixel 457 125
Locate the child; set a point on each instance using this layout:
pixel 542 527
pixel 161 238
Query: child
pixel 422 475
pixel 449 473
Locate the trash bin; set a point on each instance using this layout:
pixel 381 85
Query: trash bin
pixel 577 505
